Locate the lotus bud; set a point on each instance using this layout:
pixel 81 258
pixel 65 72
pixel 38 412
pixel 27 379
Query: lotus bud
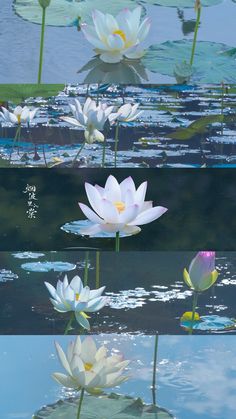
pixel 44 3
pixel 202 273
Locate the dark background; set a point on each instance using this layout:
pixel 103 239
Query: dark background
pixel 201 203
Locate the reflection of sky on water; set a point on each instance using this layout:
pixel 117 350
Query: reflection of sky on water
pixel 196 375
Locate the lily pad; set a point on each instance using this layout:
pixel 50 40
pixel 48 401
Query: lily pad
pixel 213 62
pixel 68 13
pixel 181 4
pixel 75 227
pixel 27 255
pixel 111 406
pixel 17 93
pixel 48 266
pixel 211 323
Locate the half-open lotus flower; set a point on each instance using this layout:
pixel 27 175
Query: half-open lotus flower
pixel 75 297
pixel 91 117
pixel 19 115
pixel 117 37
pixel 128 113
pixel 89 368
pixel 118 207
pixel 202 273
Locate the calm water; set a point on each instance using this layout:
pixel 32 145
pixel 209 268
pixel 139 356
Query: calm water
pixel 160 138
pixel 196 376
pixel 190 197
pixel 68 46
pixel 144 298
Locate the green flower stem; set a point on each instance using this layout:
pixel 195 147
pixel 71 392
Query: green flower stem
pixel 16 138
pixel 195 34
pixel 77 155
pixel 97 269
pixel 116 141
pixel 195 298
pixel 68 327
pixel 117 241
pixel 154 371
pixel 86 268
pixel 41 45
pixel 80 403
pixel 104 153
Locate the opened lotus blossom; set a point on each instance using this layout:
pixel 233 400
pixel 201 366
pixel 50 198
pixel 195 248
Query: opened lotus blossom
pixel 118 207
pixel 76 298
pixel 19 115
pixel 202 273
pixel 128 113
pixel 91 117
pixel 117 37
pixel 88 367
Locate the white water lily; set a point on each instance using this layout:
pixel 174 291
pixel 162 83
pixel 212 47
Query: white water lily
pixel 91 117
pixel 19 115
pixel 202 273
pixel 128 113
pixel 118 207
pixel 76 298
pixel 89 368
pixel 117 37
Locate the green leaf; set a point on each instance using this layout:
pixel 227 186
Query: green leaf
pixel 180 4
pixel 67 13
pixel 111 406
pixel 211 63
pixel 195 127
pixel 17 93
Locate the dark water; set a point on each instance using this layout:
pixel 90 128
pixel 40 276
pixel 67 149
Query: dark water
pixel 162 136
pixel 195 376
pixel 147 294
pixel 200 207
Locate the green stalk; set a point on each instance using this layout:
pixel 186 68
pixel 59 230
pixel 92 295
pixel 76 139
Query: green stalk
pixel 116 140
pixel 97 269
pixel 41 45
pixel 195 34
pixel 16 138
pixel 77 155
pixel 195 298
pixel 117 241
pixel 68 327
pixel 86 268
pixel 154 371
pixel 104 153
pixel 80 403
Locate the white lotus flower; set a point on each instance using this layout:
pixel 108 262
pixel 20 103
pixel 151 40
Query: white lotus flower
pixel 75 297
pixel 19 115
pixel 128 113
pixel 118 207
pixel 117 37
pixel 202 273
pixel 89 368
pixel 91 117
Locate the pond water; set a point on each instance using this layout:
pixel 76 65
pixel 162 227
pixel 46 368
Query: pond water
pixel 143 298
pixel 173 130
pixel 68 45
pixel 195 376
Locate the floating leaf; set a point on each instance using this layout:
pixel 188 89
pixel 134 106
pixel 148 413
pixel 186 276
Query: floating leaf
pixel 75 227
pixel 48 266
pixel 180 4
pixel 17 93
pixel 27 255
pixel 195 127
pixel 211 62
pixel 68 13
pixel 113 406
pixel 209 323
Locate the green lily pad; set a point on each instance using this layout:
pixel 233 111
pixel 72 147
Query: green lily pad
pixel 195 127
pixel 111 406
pixel 17 93
pixel 180 4
pixel 67 13
pixel 213 62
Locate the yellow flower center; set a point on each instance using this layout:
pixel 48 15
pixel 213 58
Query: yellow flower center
pixel 120 33
pixel 88 366
pixel 120 206
pixel 76 296
pixel 18 119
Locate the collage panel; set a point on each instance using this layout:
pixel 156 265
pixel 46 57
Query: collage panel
pixel 43 292
pixel 117 126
